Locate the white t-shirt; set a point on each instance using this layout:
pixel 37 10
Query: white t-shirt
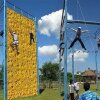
pixel 71 88
pixel 76 85
pixel 15 37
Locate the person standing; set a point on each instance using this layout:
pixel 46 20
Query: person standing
pixel 71 86
pixel 76 87
pixel 88 95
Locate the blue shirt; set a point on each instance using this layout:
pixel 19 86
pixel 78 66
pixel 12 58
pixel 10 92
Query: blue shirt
pixel 88 95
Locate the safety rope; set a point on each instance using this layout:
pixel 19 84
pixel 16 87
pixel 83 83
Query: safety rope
pixel 85 23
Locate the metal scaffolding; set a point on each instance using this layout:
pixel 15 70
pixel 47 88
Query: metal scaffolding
pixel 63 35
pixel 83 22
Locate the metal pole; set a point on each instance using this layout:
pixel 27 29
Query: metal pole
pixel 37 60
pixel 59 79
pixel 60 56
pixel 65 55
pixel 73 65
pixel 83 22
pixel 96 70
pixel 59 74
pixel 5 52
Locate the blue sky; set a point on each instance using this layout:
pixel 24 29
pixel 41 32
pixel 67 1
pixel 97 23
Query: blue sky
pixel 48 15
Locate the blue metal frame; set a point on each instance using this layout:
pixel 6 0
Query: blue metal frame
pixel 59 79
pixel 22 11
pixel 72 64
pixel 96 70
pixel 65 55
pixel 5 51
pixel 37 60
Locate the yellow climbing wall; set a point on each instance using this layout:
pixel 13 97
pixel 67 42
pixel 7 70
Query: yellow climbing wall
pixel 21 68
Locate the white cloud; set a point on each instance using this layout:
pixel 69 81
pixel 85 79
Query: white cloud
pixel 50 24
pixel 50 50
pixel 56 59
pixel 78 56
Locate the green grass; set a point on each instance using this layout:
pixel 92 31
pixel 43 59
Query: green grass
pixel 1 95
pixel 50 94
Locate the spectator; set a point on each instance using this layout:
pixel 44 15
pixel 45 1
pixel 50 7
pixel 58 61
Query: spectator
pixel 71 86
pixel 76 87
pixel 88 95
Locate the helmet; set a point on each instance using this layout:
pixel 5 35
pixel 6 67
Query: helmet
pixel 14 32
pixel 79 27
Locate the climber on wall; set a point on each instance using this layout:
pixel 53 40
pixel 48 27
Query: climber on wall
pixel 31 38
pixel 15 41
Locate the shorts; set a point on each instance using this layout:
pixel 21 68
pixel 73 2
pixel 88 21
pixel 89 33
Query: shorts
pixel 77 91
pixel 15 42
pixel 71 96
pixel 98 44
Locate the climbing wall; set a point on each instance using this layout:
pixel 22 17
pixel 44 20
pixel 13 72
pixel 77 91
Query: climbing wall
pixel 22 67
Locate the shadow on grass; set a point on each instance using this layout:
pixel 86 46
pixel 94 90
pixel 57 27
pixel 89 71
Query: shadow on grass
pixel 41 90
pixel 62 93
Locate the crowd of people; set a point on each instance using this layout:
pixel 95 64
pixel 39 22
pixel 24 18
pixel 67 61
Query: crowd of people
pixel 87 95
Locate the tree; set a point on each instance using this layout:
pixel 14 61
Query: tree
pixel 49 71
pixel 69 76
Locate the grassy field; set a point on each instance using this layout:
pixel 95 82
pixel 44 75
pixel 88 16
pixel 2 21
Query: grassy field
pixel 1 94
pixel 50 94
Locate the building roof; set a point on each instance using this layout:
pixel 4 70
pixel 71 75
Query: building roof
pixel 89 73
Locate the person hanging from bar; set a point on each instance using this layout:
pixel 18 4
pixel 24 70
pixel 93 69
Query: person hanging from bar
pixel 1 33
pixel 98 42
pixel 31 38
pixel 15 41
pixel 78 37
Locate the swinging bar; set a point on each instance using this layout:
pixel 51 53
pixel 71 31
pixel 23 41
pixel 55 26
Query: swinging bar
pixel 83 22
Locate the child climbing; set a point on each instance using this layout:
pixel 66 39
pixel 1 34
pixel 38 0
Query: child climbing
pixel 15 41
pixel 78 37
pixel 31 38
